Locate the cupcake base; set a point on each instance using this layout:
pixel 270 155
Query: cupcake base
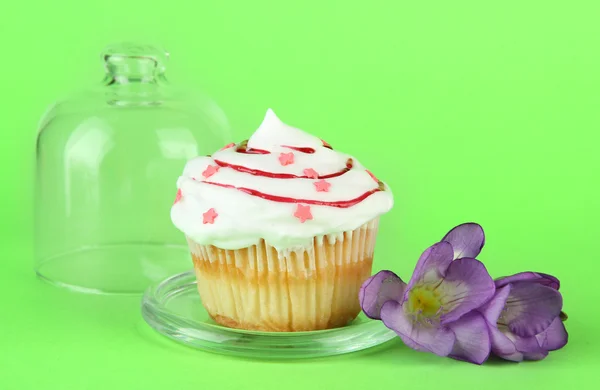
pixel 259 288
pixel 172 308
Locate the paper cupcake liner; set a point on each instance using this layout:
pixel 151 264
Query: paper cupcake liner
pixel 259 288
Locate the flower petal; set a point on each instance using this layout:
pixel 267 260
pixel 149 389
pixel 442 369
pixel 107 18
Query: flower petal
pixel 427 338
pixel 534 277
pixel 554 337
pixel 377 290
pixel 502 346
pixel 535 355
pixel 525 345
pixel 492 310
pixel 473 342
pixel 411 344
pixel 514 357
pixel 432 265
pixel 549 280
pixel 466 240
pixel 528 347
pixel 466 286
pixel 530 308
pixel 523 348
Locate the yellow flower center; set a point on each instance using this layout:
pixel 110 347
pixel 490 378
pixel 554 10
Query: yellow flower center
pixel 424 303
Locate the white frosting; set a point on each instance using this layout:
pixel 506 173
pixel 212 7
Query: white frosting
pixel 243 219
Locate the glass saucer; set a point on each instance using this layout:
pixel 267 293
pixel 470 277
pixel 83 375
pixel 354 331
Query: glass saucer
pixel 173 308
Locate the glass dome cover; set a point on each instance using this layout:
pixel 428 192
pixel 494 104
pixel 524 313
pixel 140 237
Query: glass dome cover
pixel 107 160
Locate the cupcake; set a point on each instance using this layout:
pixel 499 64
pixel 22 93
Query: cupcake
pixel 281 230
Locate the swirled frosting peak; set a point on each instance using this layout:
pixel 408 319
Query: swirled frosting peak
pixel 283 185
pixel 272 133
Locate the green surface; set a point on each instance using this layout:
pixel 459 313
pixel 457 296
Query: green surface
pixel 471 111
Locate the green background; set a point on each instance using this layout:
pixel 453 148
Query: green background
pixel 470 110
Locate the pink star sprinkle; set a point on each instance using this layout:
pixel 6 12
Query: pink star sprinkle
pixel 231 145
pixel 209 216
pixel 373 176
pixel 178 196
pixel 311 173
pixel 210 170
pixel 286 158
pixel 303 213
pixel 322 186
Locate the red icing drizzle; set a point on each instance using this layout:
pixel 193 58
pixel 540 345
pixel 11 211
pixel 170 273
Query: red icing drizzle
pixel 231 145
pixel 178 196
pixel 343 204
pixel 252 151
pixel 325 144
pixel 241 168
pixel 242 148
pixel 300 149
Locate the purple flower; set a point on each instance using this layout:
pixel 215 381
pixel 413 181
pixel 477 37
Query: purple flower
pixel 436 311
pixel 451 306
pixel 524 317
